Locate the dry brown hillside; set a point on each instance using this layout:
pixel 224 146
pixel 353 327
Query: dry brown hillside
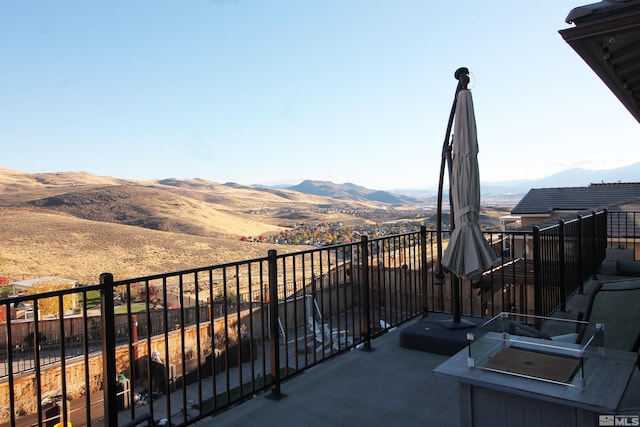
pixel 79 225
pixel 38 243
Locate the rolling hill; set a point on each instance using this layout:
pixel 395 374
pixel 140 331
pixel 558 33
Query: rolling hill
pixel 78 225
pixel 352 192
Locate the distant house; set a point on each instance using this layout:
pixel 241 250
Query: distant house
pixel 24 310
pixel 549 205
pixel 25 285
pixel 544 204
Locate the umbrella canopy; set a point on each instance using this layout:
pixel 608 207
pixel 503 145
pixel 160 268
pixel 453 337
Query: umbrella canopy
pixel 468 253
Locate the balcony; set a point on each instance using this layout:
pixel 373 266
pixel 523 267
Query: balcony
pixel 317 332
pixel 388 384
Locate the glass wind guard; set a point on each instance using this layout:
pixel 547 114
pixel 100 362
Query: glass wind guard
pixel 542 348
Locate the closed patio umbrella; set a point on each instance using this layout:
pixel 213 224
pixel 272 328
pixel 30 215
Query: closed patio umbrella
pixel 468 253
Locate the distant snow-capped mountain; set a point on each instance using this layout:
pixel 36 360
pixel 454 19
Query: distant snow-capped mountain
pixel 576 177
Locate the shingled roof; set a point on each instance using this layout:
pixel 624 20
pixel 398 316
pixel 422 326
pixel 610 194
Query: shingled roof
pixel 546 200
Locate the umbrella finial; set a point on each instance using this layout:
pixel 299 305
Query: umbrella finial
pixel 462 75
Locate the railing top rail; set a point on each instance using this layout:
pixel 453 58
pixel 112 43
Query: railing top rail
pixel 316 249
pixel 249 261
pixel 544 227
pixel 189 271
pixel 568 221
pixel 345 245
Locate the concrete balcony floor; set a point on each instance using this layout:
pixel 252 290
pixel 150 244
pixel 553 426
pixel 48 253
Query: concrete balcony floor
pixel 390 385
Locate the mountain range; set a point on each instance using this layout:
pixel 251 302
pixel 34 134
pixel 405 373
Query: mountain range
pixel 513 191
pixel 502 192
pixel 353 192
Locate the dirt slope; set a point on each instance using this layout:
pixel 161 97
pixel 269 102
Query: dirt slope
pixel 77 225
pixel 36 243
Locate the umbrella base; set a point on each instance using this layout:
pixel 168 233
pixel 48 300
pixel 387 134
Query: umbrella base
pixel 462 324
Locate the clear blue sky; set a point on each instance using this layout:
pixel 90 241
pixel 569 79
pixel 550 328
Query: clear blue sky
pixel 277 91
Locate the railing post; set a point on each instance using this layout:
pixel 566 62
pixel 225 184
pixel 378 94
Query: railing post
pixel 605 219
pixel 594 242
pixel 10 365
pixel 581 254
pixel 425 268
pixel 366 303
pixel 537 273
pixel 274 334
pixel 109 381
pixel 134 335
pixel 562 267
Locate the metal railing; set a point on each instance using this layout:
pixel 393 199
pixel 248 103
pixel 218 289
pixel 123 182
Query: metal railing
pixel 185 345
pixel 566 254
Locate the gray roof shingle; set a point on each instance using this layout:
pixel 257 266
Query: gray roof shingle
pixel 547 200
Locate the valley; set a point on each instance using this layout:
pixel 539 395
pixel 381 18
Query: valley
pixel 77 225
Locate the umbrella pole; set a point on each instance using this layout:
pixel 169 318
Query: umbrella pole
pixel 462 75
pixel 446 159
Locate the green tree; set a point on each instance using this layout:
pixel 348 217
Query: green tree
pixel 5 291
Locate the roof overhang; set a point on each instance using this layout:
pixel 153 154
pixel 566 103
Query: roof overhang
pixel 607 37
